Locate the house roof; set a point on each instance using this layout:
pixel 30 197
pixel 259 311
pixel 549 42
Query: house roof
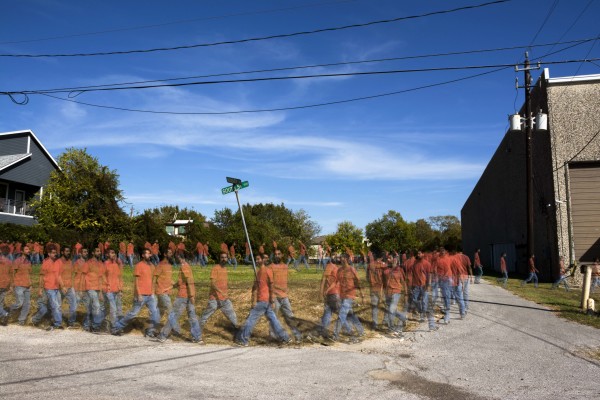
pixel 35 139
pixel 7 161
pixel 181 222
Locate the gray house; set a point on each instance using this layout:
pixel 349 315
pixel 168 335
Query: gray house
pixel 25 167
pixel 566 177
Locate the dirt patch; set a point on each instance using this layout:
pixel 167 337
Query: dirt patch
pixel 420 386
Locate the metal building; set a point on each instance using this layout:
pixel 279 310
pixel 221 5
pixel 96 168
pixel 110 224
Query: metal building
pixel 566 177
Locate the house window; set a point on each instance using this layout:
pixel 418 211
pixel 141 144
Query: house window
pixel 170 229
pixel 19 202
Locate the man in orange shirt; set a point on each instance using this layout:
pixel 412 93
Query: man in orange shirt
pixel 459 275
pixel 349 283
pixel 78 278
pixel 21 284
pixel 375 280
pixel 330 293
pixel 395 284
pixel 68 290
pixel 130 250
pixel 280 289
pixel 186 298
pixel 142 295
pixel 206 253
pixel 263 297
pixel 477 266
pixel 77 251
pixel 122 252
pixel 5 268
pixel 93 282
pixel 532 272
pixel 163 283
pixel 503 271
pixel 421 282
pixel 155 253
pixel 49 292
pixel 291 256
pixel 218 299
pixel 198 254
pixel 113 285
pixel 232 260
pixel 302 257
pixel 443 270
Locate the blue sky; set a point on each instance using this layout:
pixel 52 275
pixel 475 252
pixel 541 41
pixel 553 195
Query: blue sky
pixel 419 153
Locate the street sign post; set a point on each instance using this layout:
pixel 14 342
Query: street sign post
pixel 236 185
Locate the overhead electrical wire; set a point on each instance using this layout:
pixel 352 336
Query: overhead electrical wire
pixel 255 39
pixel 183 21
pixel 389 59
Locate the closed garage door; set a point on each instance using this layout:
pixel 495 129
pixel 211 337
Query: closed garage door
pixel 585 209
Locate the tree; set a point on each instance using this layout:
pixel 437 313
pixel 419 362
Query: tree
pixel 448 230
pixel 85 196
pixel 424 235
pixel 390 232
pixel 347 235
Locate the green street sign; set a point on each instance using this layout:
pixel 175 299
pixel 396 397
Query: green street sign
pixel 237 186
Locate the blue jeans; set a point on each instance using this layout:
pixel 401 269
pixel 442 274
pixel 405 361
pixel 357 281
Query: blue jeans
pixel 3 312
pixel 179 305
pixel 504 279
pixel 51 298
pixel 445 285
pixel 110 303
pixel 71 297
pixel 22 301
pixel 204 260
pixel 563 280
pixel 392 312
pixel 466 282
pixel 478 273
pixel 419 299
pixel 130 260
pixel 302 259
pixel 291 260
pixel 435 290
pixel 232 261
pixel 595 282
pixel 532 276
pixel 458 295
pixel 164 305
pixel 347 318
pixel 332 305
pixel 261 308
pixel 375 308
pixel 213 305
pixel 283 304
pixel 147 300
pixel 94 314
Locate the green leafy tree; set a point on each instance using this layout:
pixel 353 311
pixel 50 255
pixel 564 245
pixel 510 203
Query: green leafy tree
pixel 390 232
pixel 448 231
pixel 84 196
pixel 347 235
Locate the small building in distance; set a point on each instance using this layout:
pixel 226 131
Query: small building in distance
pixel 566 176
pixel 25 167
pixel 178 227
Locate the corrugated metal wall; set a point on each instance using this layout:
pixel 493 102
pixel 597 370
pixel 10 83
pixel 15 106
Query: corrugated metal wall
pixel 585 209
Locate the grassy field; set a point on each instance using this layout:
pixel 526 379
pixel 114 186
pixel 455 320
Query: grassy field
pixel 303 292
pixel 566 303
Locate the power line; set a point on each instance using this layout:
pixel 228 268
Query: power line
pixel 78 88
pixel 580 150
pixel 183 21
pixel 284 35
pixel 293 77
pixel 281 108
pixel 550 11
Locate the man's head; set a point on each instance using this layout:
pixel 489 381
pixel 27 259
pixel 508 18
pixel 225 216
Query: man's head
pixel 66 252
pixel 146 254
pixel 112 255
pixel 223 258
pixel 26 250
pixel 97 253
pixel 277 256
pixel 85 253
pixel 52 253
pixel 259 260
pixel 419 254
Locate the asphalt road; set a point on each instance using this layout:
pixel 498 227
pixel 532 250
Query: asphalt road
pixel 506 348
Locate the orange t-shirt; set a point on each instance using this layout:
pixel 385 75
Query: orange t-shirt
pixel 264 278
pixel 394 277
pixel 375 276
pixel 280 280
pixel 50 270
pixel 154 249
pixel 78 246
pixel 22 269
pixel 185 281
pixel 232 251
pixel 347 279
pixel 292 251
pixel 5 267
pixel 502 264
pixel 420 270
pixel 66 272
pixel 218 283
pixel 164 277
pixel 129 249
pixel 143 275
pixel 443 266
pixel 113 277
pixel 331 281
pixel 224 248
pixel 93 271
pixel 78 279
pixel 122 247
pixel 199 248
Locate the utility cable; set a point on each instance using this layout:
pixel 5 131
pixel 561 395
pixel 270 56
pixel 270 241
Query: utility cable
pixel 255 39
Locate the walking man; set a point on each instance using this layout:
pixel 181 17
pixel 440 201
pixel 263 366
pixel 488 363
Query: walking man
pixel 349 284
pixel 263 298
pixel 280 289
pixel 113 286
pixel 66 274
pixel 163 283
pixel 302 257
pixel 218 298
pixel 564 274
pixel 93 277
pixel 395 285
pixel 330 293
pixel 478 266
pixel 142 296
pixel 21 284
pixel 49 292
pixel 532 272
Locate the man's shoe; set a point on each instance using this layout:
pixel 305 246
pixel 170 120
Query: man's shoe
pixel 116 332
pixel 433 328
pixel 161 338
pixel 50 328
pixel 74 325
pixel 198 341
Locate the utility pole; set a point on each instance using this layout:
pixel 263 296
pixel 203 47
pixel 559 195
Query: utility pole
pixel 528 153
